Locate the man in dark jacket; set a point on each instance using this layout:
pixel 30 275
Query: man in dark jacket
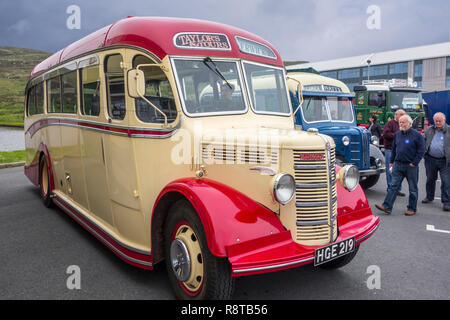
pixel 388 135
pixel 408 149
pixel 437 159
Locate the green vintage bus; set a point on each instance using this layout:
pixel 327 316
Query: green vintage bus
pixel 384 97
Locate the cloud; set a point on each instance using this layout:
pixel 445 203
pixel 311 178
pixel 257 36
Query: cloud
pixel 20 27
pixel 310 30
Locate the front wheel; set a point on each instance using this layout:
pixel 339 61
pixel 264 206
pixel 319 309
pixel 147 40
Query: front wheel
pixel 194 272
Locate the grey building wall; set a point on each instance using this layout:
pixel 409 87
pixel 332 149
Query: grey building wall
pixel 434 74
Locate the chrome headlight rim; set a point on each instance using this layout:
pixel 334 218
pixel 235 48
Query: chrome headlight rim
pixel 276 183
pixel 344 177
pixel 374 140
pixel 345 141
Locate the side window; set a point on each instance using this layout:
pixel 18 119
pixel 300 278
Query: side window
pixel 377 98
pixel 90 91
pixel 31 101
pixel 115 86
pixel 54 95
pixel 69 92
pixel 158 91
pixel 40 97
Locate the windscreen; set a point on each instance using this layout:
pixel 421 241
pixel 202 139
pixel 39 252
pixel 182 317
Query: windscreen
pixel 409 101
pixel 340 109
pixel 267 89
pixel 210 86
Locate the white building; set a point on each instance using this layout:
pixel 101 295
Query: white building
pixel 428 65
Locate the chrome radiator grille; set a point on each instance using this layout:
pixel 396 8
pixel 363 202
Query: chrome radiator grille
pixel 315 198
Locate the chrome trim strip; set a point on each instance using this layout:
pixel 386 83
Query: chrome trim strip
pixel 311 204
pixel 274 266
pixel 310 185
pixel 169 132
pixel 312 222
pixel 368 235
pixel 309 167
pixel 66 205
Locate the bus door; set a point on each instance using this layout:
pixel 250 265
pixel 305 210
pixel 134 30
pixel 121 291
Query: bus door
pixel 93 141
pixel 73 178
pixel 119 156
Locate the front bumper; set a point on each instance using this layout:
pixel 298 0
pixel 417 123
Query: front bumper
pixel 279 251
pixel 371 171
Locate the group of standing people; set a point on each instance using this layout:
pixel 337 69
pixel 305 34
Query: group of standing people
pixel 404 149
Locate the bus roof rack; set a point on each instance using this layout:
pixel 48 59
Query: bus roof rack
pixel 392 83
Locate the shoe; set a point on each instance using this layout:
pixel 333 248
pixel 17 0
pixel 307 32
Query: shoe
pixel 446 208
pixel 409 213
pixel 380 207
pixel 426 200
pixel 401 194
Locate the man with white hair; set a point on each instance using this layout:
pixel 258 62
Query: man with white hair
pixel 437 159
pixel 408 149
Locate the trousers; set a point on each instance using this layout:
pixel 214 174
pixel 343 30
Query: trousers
pixel 434 166
pixel 400 171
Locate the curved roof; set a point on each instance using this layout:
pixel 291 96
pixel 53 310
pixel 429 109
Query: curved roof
pixel 312 79
pixel 156 34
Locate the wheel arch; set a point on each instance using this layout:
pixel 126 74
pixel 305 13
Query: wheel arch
pixel 227 216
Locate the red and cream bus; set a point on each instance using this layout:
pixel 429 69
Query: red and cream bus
pixel 173 139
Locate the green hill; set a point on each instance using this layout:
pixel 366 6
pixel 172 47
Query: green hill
pixel 15 67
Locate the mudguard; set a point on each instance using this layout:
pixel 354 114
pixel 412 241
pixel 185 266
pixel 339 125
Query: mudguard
pixel 375 152
pixel 228 216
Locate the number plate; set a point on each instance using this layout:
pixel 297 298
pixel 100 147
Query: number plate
pixel 333 251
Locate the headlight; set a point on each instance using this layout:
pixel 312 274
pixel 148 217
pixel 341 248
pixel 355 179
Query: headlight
pixel 284 188
pixel 345 140
pixel 378 162
pixel 348 177
pixel 374 140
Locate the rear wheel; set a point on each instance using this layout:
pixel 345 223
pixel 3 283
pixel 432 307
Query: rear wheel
pixel 44 182
pixel 194 272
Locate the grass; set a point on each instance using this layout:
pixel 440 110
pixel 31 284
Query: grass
pixel 12 156
pixel 15 67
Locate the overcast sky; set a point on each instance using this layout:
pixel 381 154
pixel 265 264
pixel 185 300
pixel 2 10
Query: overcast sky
pixel 311 30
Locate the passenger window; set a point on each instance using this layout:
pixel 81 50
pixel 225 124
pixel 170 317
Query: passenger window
pixel 39 98
pixel 115 86
pixel 54 95
pixel 31 101
pixel 158 91
pixel 69 92
pixel 90 91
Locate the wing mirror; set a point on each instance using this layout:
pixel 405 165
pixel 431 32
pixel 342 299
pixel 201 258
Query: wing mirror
pixel 136 86
pixel 136 83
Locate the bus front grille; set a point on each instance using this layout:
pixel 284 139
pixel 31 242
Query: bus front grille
pixel 315 197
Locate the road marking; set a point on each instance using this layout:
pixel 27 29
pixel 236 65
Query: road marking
pixel 430 227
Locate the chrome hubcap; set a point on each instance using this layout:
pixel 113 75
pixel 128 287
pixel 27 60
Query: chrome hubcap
pixel 179 257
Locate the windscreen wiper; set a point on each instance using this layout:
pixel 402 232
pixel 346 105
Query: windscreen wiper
pixel 208 60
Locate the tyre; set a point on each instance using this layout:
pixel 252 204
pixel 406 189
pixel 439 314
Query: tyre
pixel 44 182
pixel 369 181
pixel 194 273
pixel 340 262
